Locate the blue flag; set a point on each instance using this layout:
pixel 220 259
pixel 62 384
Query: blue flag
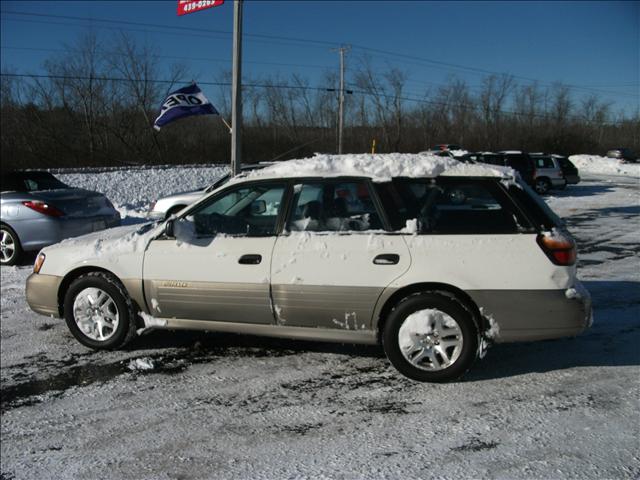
pixel 183 103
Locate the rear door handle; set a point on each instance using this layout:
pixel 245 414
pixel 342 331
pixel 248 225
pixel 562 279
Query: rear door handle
pixel 387 259
pixel 250 259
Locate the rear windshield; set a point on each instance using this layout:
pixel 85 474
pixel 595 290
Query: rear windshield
pixel 30 181
pixel 519 162
pixel 535 207
pixel 566 163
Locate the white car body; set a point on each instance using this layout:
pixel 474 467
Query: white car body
pixel 327 285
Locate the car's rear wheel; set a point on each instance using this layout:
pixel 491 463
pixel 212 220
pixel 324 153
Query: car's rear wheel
pixel 430 337
pixel 99 312
pixel 542 186
pixel 10 248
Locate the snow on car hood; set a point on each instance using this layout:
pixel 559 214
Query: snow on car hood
pixel 379 167
pixel 111 242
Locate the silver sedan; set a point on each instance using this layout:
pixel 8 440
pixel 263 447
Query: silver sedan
pixel 38 210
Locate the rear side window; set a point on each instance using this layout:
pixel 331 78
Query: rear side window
pixel 566 163
pixel 544 162
pixel 450 206
pixel 535 207
pixel 519 162
pixel 333 206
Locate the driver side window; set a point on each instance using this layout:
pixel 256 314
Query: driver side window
pixel 251 210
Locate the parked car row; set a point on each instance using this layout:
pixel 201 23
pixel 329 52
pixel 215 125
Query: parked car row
pixel 624 154
pixel 38 210
pixel 542 171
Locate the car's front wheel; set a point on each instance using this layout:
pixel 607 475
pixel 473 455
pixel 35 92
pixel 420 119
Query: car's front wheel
pixel 10 248
pixel 430 337
pixel 99 311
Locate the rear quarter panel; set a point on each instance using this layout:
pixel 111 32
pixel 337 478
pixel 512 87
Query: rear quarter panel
pixel 507 276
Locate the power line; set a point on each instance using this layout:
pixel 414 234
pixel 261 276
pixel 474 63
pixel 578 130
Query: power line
pixel 133 80
pixel 298 87
pixel 475 70
pixel 175 57
pixel 164 27
pixel 394 55
pixel 177 34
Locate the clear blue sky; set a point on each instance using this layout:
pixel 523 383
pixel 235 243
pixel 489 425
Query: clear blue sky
pixel 591 45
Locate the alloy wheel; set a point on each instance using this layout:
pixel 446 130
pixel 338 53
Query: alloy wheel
pixel 96 314
pixel 7 246
pixel 430 340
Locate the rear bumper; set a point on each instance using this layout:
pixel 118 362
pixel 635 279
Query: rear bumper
pixel 572 179
pixel 42 294
pixel 38 233
pixel 526 315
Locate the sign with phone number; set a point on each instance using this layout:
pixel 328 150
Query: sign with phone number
pixel 190 6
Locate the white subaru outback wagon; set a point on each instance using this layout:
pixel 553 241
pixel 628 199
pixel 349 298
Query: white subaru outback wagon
pixel 431 257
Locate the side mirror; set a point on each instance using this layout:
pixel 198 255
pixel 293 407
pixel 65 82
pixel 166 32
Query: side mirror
pixel 258 207
pixel 168 229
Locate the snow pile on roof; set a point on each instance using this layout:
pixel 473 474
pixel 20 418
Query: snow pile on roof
pixel 605 165
pixel 380 167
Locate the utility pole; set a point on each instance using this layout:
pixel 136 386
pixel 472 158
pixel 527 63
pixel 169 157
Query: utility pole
pixel 342 51
pixel 236 90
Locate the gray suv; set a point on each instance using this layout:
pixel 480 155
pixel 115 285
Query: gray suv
pixel 548 173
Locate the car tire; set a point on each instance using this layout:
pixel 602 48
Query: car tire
pixel 11 252
pixel 430 337
pixel 105 322
pixel 173 210
pixel 542 186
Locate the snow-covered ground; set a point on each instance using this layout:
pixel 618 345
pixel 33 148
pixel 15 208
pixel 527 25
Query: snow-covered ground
pixel 200 405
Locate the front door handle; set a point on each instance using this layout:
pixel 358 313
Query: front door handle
pixel 387 259
pixel 250 259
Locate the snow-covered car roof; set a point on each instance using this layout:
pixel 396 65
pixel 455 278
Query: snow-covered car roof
pixel 378 167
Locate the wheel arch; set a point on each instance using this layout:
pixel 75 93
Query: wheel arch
pixel 68 279
pixel 442 288
pixel 7 225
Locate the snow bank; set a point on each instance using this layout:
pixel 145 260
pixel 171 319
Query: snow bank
pixel 604 165
pixel 380 167
pixel 132 190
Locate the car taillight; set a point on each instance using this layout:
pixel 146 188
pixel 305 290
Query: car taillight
pixel 560 248
pixel 44 208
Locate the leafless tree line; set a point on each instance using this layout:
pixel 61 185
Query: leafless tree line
pixel 96 108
